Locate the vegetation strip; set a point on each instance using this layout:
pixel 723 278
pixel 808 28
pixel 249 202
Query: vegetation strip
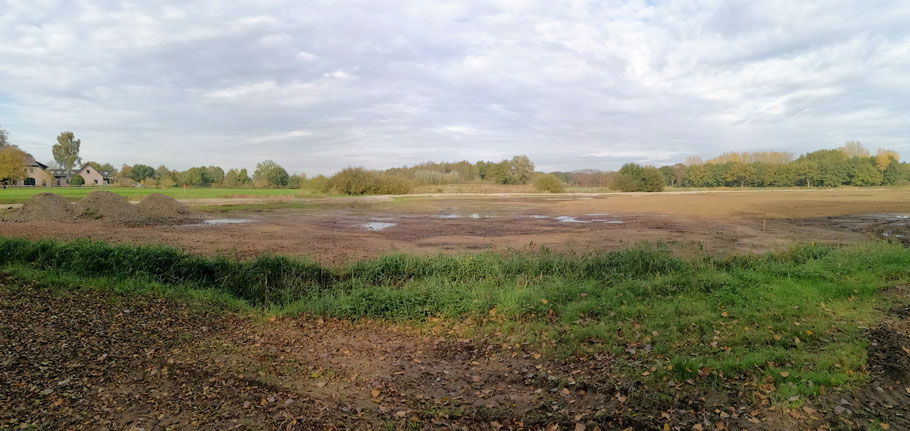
pixel 791 321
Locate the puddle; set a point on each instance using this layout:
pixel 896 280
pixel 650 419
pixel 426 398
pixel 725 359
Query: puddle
pixel 538 216
pixel 218 221
pixel 376 226
pixel 448 216
pixel 475 215
pixel 569 219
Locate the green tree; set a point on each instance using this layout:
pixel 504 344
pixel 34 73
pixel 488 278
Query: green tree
pixel 636 178
pixel 66 151
pixel 197 177
pixel 737 173
pixel 831 169
pixel 77 180
pixel 521 169
pixel 895 173
pixel 4 138
pixel 103 167
pixel 863 172
pixel 12 164
pixel 141 172
pixel 499 173
pixel 272 173
pixel 237 178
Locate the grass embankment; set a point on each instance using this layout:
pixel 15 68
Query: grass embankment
pixel 790 322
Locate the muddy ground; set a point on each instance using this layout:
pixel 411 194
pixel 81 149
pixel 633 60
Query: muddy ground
pixel 340 230
pixel 92 360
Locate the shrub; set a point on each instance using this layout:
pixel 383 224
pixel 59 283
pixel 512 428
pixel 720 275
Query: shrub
pixel 548 183
pixel 636 178
pixel 435 177
pixel 77 180
pixel 359 181
pixel 296 181
pixel 317 184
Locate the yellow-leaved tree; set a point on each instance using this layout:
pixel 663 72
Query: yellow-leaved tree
pixel 12 164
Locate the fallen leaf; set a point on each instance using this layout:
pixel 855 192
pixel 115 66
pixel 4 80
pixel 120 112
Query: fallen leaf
pixel 580 427
pixel 375 393
pixel 724 314
pixel 884 426
pixel 544 301
pixel 784 374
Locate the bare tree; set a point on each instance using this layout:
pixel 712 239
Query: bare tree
pixel 854 149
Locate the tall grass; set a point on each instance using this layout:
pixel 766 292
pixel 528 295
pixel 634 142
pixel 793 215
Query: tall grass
pixel 798 310
pixel 266 280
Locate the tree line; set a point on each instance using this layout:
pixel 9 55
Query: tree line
pixel 851 164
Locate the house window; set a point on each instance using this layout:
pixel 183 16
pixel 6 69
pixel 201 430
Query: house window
pixel 88 171
pixel 96 181
pixel 29 181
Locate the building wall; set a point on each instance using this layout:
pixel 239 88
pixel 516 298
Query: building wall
pixel 91 175
pixel 42 178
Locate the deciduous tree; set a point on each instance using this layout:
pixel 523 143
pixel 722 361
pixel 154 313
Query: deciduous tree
pixel 12 164
pixel 66 151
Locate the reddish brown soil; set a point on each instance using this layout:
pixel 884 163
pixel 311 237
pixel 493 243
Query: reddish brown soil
pixel 332 231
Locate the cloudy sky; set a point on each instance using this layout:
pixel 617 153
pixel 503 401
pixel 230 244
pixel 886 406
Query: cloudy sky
pixel 318 85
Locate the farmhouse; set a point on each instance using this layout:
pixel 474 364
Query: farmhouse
pixel 92 176
pixel 36 173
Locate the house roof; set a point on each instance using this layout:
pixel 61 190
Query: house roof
pixel 61 173
pixel 30 161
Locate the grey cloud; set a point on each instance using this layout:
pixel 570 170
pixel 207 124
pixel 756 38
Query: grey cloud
pixel 321 85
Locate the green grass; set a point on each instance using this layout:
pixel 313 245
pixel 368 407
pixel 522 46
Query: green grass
pixel 19 195
pixel 790 321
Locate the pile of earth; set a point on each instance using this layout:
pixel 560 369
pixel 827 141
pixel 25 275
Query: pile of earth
pixel 44 206
pixel 102 205
pixel 157 207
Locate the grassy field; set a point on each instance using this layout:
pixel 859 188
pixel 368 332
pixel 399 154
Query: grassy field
pixel 19 195
pixel 789 321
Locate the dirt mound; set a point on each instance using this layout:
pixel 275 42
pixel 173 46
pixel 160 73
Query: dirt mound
pixel 44 206
pixel 102 204
pixel 159 207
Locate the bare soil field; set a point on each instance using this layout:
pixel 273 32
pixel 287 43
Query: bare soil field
pixel 335 230
pixel 92 360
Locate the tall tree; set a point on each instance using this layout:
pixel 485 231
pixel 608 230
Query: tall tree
pixel 4 138
pixel 521 169
pixel 272 174
pixel 12 164
pixel 66 151
pixel 141 172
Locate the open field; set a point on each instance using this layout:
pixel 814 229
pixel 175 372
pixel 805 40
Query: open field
pixel 334 230
pixel 757 310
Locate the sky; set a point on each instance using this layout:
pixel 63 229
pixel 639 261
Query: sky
pixel 320 85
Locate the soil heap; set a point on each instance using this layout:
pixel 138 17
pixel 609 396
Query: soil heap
pixel 44 206
pixel 102 204
pixel 157 207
